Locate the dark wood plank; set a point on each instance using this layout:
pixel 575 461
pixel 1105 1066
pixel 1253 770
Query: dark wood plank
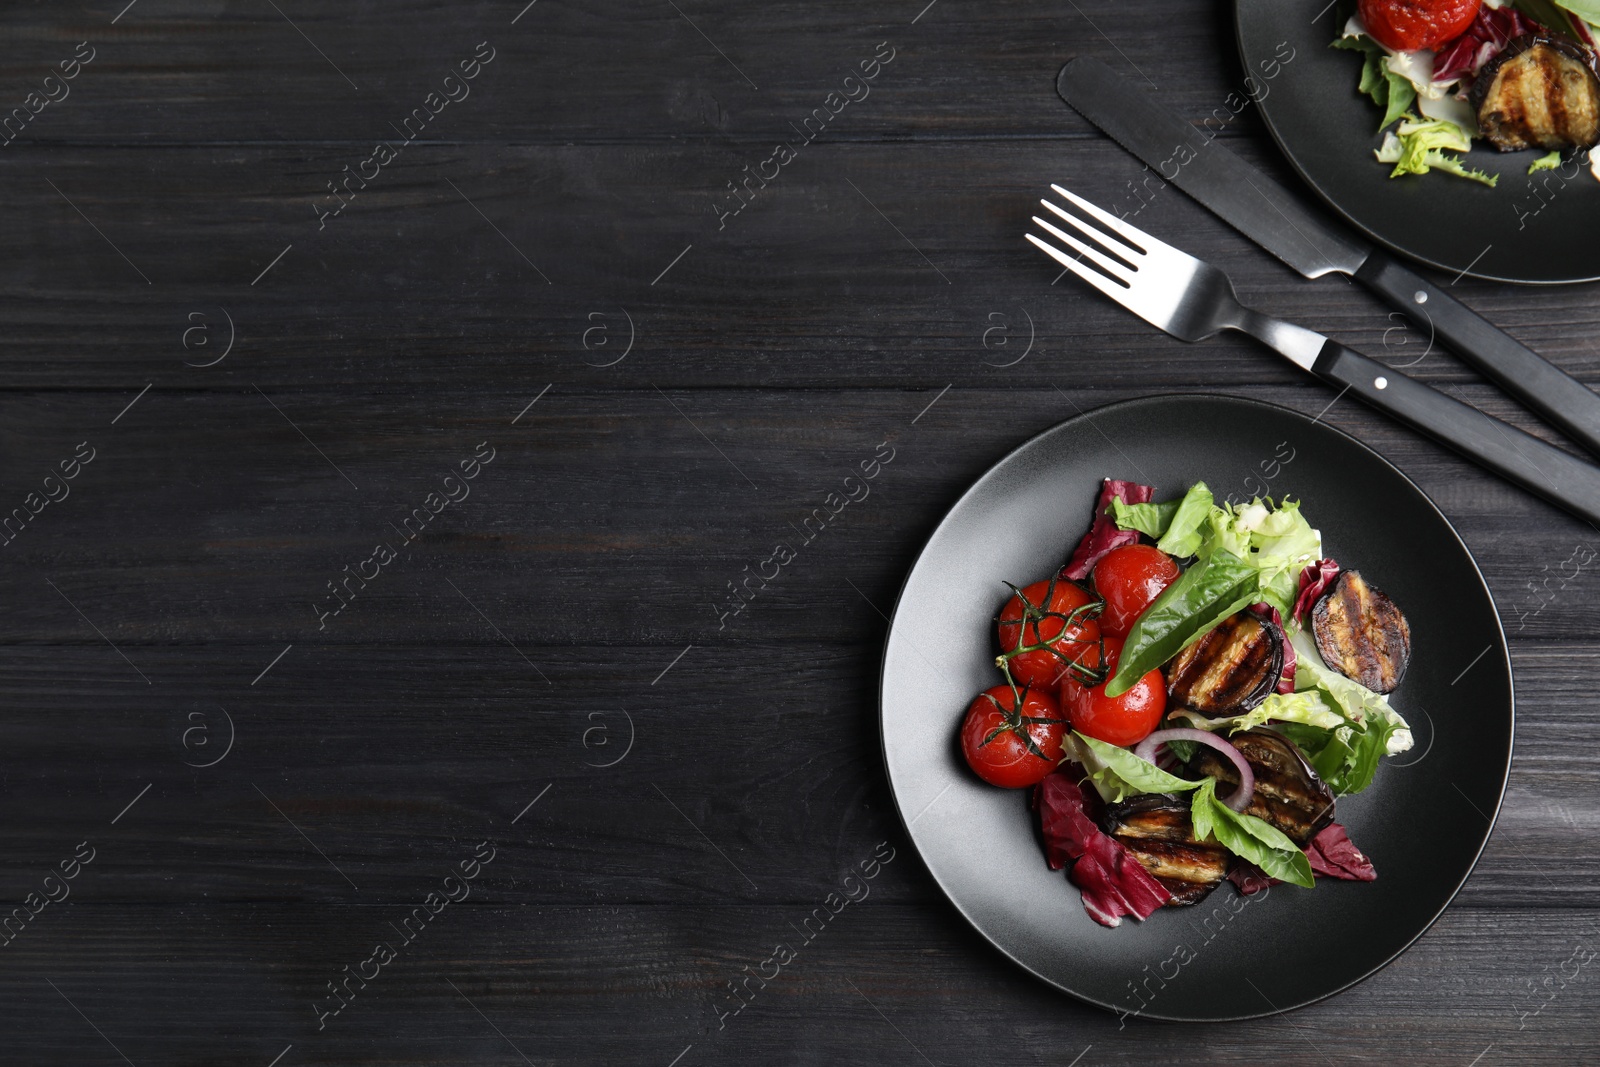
pixel 917 275
pixel 637 71
pixel 601 985
pixel 746 772
pixel 616 516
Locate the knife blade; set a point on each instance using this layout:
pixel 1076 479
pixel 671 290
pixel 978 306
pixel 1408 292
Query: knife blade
pixel 1262 209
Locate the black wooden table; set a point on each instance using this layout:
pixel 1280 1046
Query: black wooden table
pixel 394 395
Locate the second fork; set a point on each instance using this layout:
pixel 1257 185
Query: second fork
pixel 1193 300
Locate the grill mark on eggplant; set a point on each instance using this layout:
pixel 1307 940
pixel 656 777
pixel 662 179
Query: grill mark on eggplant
pixel 1361 633
pixel 1179 861
pixel 1555 98
pixel 1289 794
pixel 1157 831
pixel 1229 670
pixel 1540 91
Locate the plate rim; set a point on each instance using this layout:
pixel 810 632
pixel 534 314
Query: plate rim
pixel 1333 205
pixel 1086 417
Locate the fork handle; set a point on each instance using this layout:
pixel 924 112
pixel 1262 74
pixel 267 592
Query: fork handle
pixel 1539 467
pixel 1522 372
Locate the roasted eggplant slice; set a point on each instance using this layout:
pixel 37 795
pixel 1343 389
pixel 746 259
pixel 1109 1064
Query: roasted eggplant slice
pixel 1289 794
pixel 1361 634
pixel 1229 670
pixel 1156 829
pixel 1539 92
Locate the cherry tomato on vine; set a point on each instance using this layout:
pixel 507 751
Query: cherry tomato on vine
pixel 1009 748
pixel 1128 579
pixel 1404 25
pixel 1063 627
pixel 1124 720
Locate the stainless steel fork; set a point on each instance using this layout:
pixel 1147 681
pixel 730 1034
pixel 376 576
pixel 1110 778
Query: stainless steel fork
pixel 1192 300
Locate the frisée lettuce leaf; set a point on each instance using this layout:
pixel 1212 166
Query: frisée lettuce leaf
pixel 1346 755
pixel 1307 706
pixel 1416 147
pixel 1359 705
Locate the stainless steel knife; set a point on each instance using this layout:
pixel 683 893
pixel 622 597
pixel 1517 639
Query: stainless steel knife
pixel 1267 213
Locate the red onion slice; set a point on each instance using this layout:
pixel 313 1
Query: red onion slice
pixel 1240 798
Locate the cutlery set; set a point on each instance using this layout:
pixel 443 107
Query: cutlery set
pixel 1193 300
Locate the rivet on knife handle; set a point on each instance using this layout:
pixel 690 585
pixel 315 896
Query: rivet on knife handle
pixel 1541 468
pixel 1521 371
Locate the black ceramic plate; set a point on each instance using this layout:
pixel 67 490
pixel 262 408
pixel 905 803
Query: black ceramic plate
pixel 1538 229
pixel 1422 822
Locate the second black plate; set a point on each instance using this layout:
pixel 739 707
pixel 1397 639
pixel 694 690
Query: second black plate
pixel 1539 230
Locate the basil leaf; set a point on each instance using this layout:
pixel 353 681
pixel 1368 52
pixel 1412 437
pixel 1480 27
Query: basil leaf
pixel 1402 94
pixel 1587 10
pixel 1549 14
pixel 1372 83
pixel 1180 614
pixel 1248 837
pixel 1118 774
pixel 1183 750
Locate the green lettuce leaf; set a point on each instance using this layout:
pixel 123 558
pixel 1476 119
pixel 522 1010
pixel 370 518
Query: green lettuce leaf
pixel 1548 162
pixel 1117 773
pixel 1277 542
pixel 1391 91
pixel 1328 751
pixel 1402 94
pixel 1151 520
pixel 1359 705
pixel 1248 837
pixel 1372 81
pixel 1308 706
pixel 1245 553
pixel 1416 147
pixel 1184 533
pixel 1346 755
pixel 1552 14
pixel 1183 750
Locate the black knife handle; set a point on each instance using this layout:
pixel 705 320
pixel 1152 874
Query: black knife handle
pixel 1541 468
pixel 1521 371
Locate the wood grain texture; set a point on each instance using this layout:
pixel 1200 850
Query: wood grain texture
pixel 639 984
pixel 385 755
pixel 862 265
pixel 565 613
pixel 606 515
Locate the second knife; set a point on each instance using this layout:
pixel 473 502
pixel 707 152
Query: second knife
pixel 1267 213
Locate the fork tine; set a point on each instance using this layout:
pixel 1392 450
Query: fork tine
pixel 1093 277
pixel 1098 236
pixel 1126 230
pixel 1100 259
